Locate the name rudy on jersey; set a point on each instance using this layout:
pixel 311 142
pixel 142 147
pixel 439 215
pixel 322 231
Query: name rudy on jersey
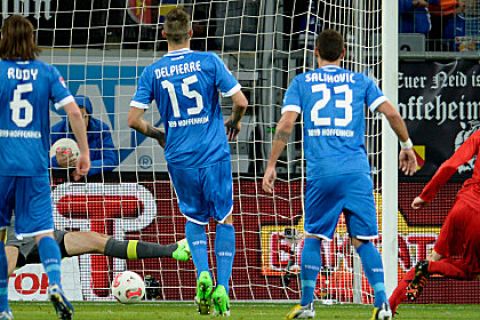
pixel 22 74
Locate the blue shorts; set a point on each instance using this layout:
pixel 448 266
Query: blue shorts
pixel 327 197
pixel 31 199
pixel 204 192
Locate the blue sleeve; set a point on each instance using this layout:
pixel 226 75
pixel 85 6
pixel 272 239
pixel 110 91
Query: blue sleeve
pixel 292 100
pixel 374 97
pixel 59 92
pixel 224 79
pixel 144 94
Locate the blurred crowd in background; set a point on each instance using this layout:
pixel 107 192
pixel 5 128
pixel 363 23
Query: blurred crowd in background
pixel 445 25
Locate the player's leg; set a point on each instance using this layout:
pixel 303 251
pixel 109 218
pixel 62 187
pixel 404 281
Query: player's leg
pixel 361 218
pixel 457 231
pixel 399 295
pixel 77 243
pixel 5 312
pixel 12 258
pixel 7 191
pixel 323 205
pixel 12 248
pixel 193 206
pixel 33 217
pixel 218 191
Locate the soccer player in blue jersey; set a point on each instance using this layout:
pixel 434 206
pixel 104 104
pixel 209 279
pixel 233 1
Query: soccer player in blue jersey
pixel 332 102
pixel 185 85
pixel 28 86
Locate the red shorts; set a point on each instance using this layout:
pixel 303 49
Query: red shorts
pixel 459 239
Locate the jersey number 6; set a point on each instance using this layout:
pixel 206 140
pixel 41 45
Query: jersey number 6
pixel 17 104
pixel 322 103
pixel 192 94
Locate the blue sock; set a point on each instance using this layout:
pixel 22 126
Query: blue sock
pixel 373 267
pixel 225 252
pixel 51 259
pixel 197 240
pixel 311 263
pixel 3 278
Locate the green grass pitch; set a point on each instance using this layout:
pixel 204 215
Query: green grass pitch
pixel 244 311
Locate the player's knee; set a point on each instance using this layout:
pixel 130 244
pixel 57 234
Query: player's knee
pixel 228 220
pixel 358 242
pixel 39 237
pixel 99 241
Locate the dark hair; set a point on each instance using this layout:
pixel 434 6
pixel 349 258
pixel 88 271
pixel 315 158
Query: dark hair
pixel 17 40
pixel 330 45
pixel 177 25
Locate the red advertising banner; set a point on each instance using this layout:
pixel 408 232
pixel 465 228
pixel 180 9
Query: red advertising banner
pixel 268 240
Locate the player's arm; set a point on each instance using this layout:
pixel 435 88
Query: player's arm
pixel 240 105
pixel 464 154
pixel 229 87
pixel 280 139
pixel 80 131
pixel 140 102
pixel 407 159
pixel 138 123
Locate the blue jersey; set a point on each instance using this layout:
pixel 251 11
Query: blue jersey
pixel 186 86
pixel 25 94
pixel 332 101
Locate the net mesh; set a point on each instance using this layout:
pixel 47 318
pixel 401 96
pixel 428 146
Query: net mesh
pixel 101 48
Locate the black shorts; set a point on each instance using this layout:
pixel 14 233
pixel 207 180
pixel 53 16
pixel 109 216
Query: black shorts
pixel 27 248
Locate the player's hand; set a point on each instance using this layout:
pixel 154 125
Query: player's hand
pixel 232 129
pixel 407 161
pixel 418 203
pixel 82 167
pixel 269 179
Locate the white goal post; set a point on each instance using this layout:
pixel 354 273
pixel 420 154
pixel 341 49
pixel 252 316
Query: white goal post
pixel 390 146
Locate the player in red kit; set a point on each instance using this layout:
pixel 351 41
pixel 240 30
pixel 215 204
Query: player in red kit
pixel 456 253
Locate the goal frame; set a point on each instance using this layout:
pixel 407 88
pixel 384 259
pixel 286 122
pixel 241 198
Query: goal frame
pixel 390 146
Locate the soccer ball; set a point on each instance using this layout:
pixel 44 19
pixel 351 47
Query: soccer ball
pixel 65 145
pixel 128 287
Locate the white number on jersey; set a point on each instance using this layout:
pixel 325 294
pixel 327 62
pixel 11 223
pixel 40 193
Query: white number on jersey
pixel 192 94
pixel 17 104
pixel 322 103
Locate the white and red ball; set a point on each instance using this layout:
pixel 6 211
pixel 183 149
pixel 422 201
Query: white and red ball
pixel 128 287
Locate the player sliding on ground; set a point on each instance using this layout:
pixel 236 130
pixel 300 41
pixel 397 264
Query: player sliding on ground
pixel 332 102
pixel 186 86
pixel 28 86
pixel 457 251
pixel 24 251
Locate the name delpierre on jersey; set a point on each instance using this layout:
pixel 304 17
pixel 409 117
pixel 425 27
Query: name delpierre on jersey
pixel 332 102
pixel 27 89
pixel 185 85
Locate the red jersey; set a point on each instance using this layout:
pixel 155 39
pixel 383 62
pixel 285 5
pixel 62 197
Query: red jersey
pixel 470 191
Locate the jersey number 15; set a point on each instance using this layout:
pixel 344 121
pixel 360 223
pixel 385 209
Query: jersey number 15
pixel 342 104
pixel 192 94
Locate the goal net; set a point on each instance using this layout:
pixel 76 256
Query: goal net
pixel 101 48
